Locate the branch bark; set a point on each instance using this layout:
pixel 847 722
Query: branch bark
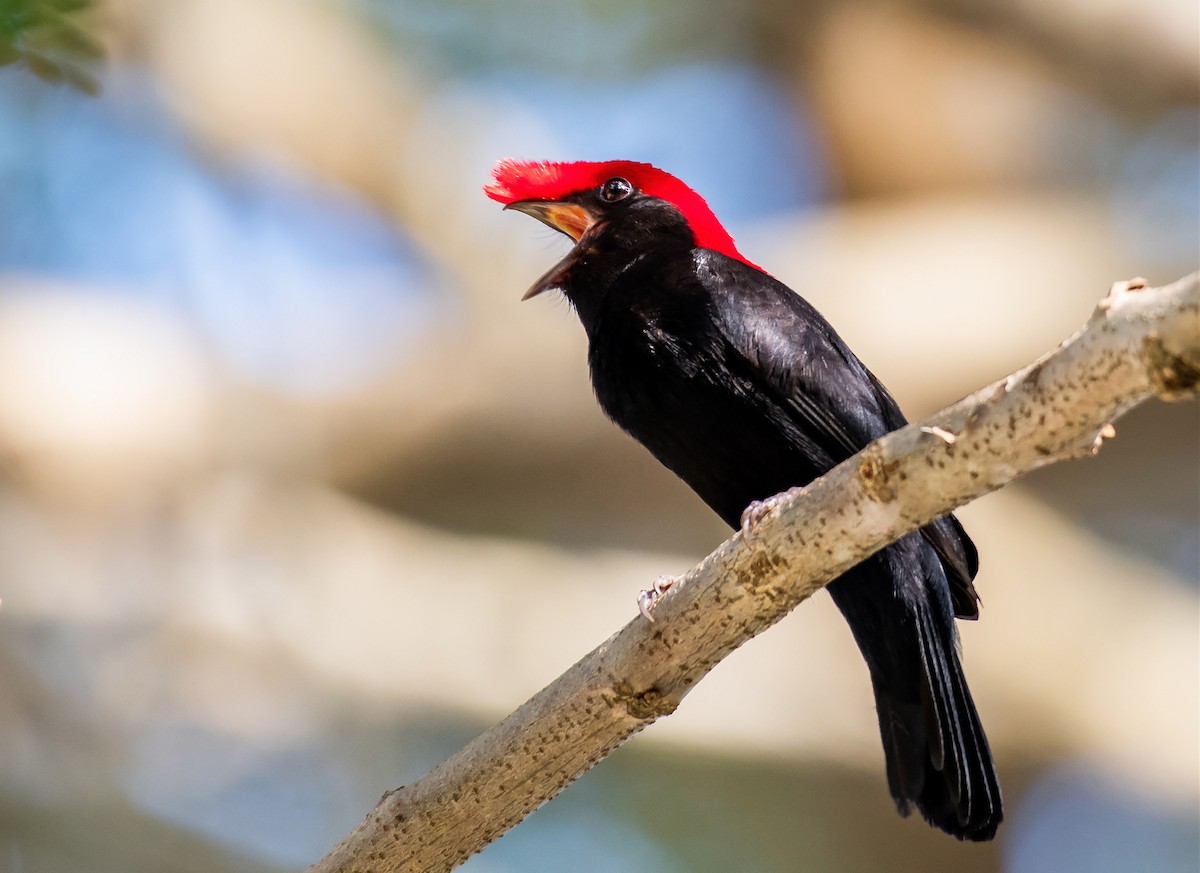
pixel 1139 343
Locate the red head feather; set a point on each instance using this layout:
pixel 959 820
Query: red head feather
pixel 553 180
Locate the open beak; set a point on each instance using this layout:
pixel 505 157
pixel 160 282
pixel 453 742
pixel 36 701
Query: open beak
pixel 568 218
pixel 571 219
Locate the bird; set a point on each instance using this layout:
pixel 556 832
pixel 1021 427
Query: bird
pixel 735 383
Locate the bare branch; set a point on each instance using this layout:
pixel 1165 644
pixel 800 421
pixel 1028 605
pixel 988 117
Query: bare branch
pixel 1139 343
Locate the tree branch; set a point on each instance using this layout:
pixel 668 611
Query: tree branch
pixel 1139 343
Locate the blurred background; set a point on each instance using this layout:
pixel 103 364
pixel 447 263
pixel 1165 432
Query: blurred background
pixel 296 497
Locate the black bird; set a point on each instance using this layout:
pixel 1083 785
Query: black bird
pixel 744 390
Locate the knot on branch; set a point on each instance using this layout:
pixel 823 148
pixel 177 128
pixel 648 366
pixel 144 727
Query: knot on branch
pixel 759 573
pixel 1174 376
pixel 646 705
pixel 875 473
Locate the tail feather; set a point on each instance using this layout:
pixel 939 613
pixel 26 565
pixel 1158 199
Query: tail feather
pixel 984 810
pixel 898 606
pixel 960 793
pixel 944 728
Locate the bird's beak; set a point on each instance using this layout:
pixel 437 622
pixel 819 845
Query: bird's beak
pixel 569 218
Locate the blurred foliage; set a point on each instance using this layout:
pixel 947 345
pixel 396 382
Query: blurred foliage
pixel 49 39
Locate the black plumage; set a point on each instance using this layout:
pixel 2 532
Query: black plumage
pixel 743 389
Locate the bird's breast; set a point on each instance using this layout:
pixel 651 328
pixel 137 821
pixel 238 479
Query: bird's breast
pixel 703 421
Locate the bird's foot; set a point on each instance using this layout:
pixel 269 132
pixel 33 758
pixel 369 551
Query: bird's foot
pixel 758 509
pixel 650 596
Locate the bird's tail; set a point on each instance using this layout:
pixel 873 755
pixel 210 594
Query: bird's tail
pixel 938 758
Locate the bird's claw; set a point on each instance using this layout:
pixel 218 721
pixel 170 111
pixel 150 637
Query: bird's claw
pixel 650 596
pixel 758 509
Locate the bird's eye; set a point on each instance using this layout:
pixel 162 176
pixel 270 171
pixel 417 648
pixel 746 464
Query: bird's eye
pixel 615 189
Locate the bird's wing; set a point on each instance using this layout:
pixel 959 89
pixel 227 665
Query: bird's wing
pixel 792 356
pixel 816 387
